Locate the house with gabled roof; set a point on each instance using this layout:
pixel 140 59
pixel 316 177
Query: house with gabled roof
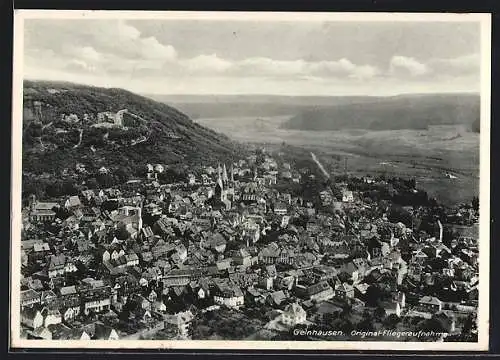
pixel 147 233
pixel 326 311
pixel 29 298
pixel 430 303
pixel 320 291
pixel 270 254
pixel 70 308
pixel 58 265
pixel 242 257
pixel 40 251
pixel 73 203
pixel 227 293
pixel 419 256
pixel 51 316
pixel 47 297
pixel 344 290
pixel 57 282
pixel 96 299
pixel 277 298
pixel 254 296
pixel 447 320
pixel 391 307
pixel 62 332
pixel 293 314
pixel 35 284
pixel 131 259
pixel 31 317
pixel 351 271
pixel 40 333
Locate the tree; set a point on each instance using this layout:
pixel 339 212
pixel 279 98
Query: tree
pixel 366 324
pixel 398 214
pixel 379 313
pixel 475 203
pixel 55 189
pixel 92 183
pixel 105 180
pixel 122 174
pixel 374 295
pixel 260 156
pixel 69 188
pixel 346 310
pixel 432 324
pixel 469 324
pixel 392 320
pixel 122 233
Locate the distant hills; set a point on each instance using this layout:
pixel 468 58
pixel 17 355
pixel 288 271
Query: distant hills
pixel 413 111
pixel 219 106
pixel 63 126
pixel 392 113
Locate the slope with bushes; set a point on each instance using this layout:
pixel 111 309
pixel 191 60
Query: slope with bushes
pixel 52 144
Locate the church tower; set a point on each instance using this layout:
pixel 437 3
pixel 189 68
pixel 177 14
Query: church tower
pixel 219 187
pixel 232 173
pixel 224 175
pixel 139 217
pixel 219 171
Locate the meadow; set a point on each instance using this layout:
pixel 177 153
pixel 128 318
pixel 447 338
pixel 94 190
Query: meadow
pixel 443 159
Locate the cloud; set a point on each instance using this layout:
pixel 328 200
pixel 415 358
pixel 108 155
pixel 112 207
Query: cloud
pixel 267 67
pixel 462 65
pixel 119 38
pixel 125 31
pixel 80 65
pixel 207 64
pixel 111 37
pixel 262 66
pixel 152 49
pixel 365 72
pixel 116 47
pixel 120 52
pixel 88 53
pixel 402 65
pixel 344 68
pixel 437 68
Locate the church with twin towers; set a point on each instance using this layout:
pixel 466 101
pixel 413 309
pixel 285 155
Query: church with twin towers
pixel 224 187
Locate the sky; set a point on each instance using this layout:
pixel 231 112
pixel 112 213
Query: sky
pixel 256 57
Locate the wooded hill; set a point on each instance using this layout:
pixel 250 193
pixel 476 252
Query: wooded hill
pixel 167 136
pixel 392 113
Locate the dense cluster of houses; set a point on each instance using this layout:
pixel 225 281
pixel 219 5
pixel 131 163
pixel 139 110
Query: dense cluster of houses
pixel 113 263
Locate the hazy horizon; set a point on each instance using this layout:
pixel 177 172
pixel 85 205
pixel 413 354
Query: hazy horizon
pixel 320 95
pixel 472 92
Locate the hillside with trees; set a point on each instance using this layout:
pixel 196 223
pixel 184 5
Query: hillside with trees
pixel 61 130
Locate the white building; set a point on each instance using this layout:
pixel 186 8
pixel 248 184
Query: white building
pixel 294 314
pixel 229 295
pixel 347 196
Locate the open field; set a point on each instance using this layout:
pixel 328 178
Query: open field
pixel 443 159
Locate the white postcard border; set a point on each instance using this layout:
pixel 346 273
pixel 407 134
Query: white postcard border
pixel 16 175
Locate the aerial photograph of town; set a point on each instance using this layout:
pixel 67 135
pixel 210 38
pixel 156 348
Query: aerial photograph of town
pixel 232 179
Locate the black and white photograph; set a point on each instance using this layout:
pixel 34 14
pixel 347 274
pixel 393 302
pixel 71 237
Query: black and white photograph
pixel 250 180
